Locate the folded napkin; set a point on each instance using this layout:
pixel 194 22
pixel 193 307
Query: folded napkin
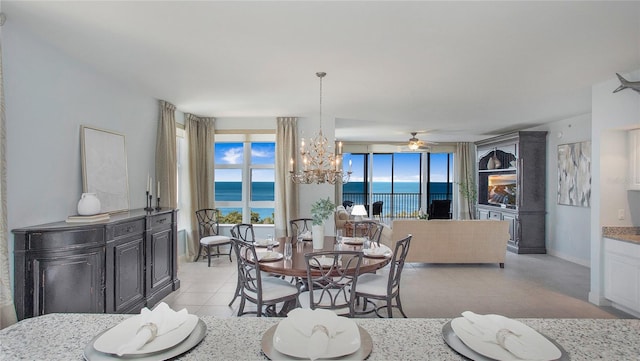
pixel 264 242
pixel 268 255
pixel 306 235
pixel 152 324
pixel 319 325
pixel 378 251
pixel 492 330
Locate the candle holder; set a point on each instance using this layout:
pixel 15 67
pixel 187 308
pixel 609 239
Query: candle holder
pixel 148 208
pixel 158 204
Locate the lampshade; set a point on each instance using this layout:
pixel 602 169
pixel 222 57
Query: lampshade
pixel 358 210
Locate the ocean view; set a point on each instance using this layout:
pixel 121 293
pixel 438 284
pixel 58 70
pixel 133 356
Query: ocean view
pixel 264 191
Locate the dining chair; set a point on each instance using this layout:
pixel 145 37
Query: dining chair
pixel 263 291
pixel 385 286
pixel 440 209
pixel 209 233
pixel 376 210
pixel 300 225
pixel 370 229
pixel 332 288
pixel 245 232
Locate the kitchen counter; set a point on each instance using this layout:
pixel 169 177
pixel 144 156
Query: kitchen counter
pixel 64 336
pixel 627 234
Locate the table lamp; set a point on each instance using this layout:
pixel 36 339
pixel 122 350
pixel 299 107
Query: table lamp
pixel 358 211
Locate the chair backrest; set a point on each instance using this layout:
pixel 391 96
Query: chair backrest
pixel 377 209
pixel 440 209
pixel 397 264
pixel 208 222
pixel 335 287
pixel 371 229
pixel 300 225
pixel 248 268
pixel 243 231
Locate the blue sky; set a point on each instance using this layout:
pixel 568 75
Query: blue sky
pixel 232 153
pixel 406 168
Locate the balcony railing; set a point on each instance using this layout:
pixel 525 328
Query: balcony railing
pixel 395 205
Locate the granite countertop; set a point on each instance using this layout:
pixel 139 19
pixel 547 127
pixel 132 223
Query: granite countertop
pixel 627 234
pixel 64 336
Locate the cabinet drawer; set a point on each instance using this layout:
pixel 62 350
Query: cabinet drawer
pixel 495 216
pixel 160 221
pixel 128 228
pixel 65 239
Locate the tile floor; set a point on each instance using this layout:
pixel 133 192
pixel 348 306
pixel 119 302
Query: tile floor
pixel 529 286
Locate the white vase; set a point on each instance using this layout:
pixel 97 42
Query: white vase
pixel 89 204
pixel 317 234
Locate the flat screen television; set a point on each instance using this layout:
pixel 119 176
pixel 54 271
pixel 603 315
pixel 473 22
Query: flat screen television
pixel 502 190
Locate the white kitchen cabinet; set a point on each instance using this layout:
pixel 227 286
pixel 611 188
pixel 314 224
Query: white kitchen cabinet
pixel 622 273
pixel 634 159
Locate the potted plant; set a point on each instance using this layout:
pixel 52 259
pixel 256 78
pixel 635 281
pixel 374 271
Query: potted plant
pixel 321 210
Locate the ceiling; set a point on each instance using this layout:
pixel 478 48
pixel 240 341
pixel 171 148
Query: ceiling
pixel 459 70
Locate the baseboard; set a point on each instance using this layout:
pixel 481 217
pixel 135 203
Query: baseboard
pixel 598 299
pixel 569 258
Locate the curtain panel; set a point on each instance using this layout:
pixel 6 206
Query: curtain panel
pixel 200 133
pixel 465 178
pixel 7 309
pixel 286 192
pixel 166 156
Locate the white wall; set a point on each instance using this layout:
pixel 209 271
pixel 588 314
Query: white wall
pixel 612 114
pixel 48 96
pixel 563 238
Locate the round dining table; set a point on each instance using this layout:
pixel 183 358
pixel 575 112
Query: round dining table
pixel 296 266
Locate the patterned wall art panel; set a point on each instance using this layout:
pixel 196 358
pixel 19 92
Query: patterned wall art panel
pixel 574 174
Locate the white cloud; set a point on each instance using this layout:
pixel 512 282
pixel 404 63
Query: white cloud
pixel 232 156
pixel 260 153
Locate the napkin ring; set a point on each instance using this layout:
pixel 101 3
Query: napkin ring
pixel 153 328
pixel 320 328
pixel 502 335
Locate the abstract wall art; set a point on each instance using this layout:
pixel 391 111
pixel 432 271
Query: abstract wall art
pixel 574 174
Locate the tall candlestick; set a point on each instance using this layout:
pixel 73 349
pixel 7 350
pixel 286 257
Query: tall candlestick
pixel 158 195
pixel 148 182
pixel 291 165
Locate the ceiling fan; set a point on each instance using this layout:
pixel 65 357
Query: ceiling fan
pixel 416 144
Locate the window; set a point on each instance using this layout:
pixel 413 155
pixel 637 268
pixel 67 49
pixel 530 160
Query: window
pixel 399 180
pixel 244 176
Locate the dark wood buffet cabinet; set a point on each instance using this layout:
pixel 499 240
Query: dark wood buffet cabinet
pixel 116 266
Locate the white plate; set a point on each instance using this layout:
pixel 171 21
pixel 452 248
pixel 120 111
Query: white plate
pixel 264 243
pixel 123 332
pixel 268 256
pixel 289 341
pixel 545 349
pixel 323 262
pixel 353 240
pixel 194 338
pixel 378 252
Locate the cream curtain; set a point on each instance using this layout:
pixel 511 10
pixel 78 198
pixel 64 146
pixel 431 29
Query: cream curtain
pixel 286 192
pixel 166 156
pixel 465 174
pixel 200 134
pixel 7 309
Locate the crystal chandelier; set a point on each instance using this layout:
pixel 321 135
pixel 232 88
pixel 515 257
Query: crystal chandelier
pixel 319 163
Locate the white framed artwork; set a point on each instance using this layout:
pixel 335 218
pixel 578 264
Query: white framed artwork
pixel 574 174
pixel 104 168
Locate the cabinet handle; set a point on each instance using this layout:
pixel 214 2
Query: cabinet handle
pixel 129 229
pixel 161 220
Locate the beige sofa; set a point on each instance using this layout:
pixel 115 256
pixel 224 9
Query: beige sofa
pixel 454 241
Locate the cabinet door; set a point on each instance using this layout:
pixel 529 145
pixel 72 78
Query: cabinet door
pixel 129 275
pixel 69 283
pixel 159 260
pixel 634 159
pixel 483 214
pixel 513 227
pixel 622 280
